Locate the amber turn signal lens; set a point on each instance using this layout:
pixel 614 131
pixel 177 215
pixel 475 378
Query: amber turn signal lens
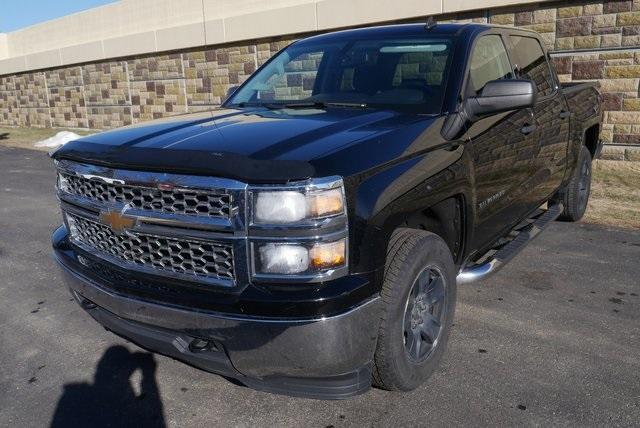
pixel 328 255
pixel 326 203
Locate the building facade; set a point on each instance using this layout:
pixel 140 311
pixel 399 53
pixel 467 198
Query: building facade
pixel 138 60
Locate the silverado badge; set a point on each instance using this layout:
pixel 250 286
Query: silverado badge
pixel 117 221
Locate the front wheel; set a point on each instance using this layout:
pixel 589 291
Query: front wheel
pixel 419 294
pixel 576 195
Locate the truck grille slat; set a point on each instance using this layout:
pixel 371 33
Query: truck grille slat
pixel 178 255
pixel 173 201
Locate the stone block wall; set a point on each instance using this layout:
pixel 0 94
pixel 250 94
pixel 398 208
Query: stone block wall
pixel 592 41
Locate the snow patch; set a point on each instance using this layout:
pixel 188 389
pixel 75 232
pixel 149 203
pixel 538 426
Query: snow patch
pixel 60 139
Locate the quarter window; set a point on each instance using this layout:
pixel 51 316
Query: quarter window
pixel 489 61
pixel 530 63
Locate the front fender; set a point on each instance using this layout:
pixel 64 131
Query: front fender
pixel 385 199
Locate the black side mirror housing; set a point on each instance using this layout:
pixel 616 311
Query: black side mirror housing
pixel 501 95
pixel 497 96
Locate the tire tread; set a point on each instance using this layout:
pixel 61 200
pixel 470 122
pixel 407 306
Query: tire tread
pixel 403 243
pixel 572 212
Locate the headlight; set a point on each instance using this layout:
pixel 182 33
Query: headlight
pixel 300 204
pixel 299 231
pixel 63 183
pixel 283 258
pixel 300 258
pixel 72 226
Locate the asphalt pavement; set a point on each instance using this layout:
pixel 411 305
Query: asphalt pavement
pixel 553 339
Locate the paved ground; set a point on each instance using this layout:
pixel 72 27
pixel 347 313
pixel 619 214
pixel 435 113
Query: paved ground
pixel 554 339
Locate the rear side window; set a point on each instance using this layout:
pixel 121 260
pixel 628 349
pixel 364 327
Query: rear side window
pixel 530 63
pixel 489 61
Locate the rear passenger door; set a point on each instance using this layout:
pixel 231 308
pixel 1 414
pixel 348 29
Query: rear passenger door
pixel 501 144
pixel 551 115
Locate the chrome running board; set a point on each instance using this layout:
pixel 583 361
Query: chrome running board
pixel 517 239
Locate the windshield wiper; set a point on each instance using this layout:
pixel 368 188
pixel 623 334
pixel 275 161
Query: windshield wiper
pixel 304 105
pixel 277 106
pixel 323 104
pixel 244 104
pixel 348 105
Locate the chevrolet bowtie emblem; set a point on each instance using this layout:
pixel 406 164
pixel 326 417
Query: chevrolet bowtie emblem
pixel 117 221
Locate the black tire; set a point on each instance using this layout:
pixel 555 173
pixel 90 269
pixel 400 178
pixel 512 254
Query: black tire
pixel 576 195
pixel 412 253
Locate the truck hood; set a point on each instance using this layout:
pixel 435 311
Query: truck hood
pixel 256 145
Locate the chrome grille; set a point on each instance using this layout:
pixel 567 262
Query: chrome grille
pixel 179 255
pixel 171 201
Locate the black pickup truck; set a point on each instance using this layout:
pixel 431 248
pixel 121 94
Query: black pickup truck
pixel 307 237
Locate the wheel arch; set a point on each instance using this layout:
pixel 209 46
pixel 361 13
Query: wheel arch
pixel 591 139
pixel 445 219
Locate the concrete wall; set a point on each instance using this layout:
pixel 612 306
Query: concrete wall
pixel 134 27
pixel 596 40
pixel 4 46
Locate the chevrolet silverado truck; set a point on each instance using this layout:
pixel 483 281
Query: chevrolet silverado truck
pixel 307 236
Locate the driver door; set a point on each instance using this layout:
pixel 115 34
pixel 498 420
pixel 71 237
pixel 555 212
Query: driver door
pixel 503 147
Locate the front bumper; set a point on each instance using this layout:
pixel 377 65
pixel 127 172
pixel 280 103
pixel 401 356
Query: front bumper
pixel 328 357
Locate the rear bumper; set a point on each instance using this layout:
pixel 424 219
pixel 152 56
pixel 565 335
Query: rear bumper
pixel 328 357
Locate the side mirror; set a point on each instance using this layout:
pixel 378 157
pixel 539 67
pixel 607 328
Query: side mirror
pixel 231 91
pixel 501 95
pixel 497 96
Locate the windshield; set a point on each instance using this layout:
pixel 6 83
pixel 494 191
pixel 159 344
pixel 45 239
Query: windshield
pixel 390 73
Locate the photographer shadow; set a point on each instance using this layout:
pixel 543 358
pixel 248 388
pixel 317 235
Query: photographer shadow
pixel 111 401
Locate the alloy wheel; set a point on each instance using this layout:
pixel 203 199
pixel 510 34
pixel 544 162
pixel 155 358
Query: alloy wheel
pixel 424 314
pixel 584 185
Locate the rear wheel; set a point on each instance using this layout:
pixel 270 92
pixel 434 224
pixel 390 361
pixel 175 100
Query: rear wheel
pixel 419 293
pixel 576 195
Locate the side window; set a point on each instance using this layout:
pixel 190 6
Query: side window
pixel 530 63
pixel 489 61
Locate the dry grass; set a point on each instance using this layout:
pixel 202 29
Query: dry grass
pixel 25 137
pixel 615 194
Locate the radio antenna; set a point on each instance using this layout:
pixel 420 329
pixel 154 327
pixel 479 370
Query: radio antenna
pixel 431 23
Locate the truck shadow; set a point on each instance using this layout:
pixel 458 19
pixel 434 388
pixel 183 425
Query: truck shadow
pixel 111 399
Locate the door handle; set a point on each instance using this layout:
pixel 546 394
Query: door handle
pixel 528 129
pixel 564 114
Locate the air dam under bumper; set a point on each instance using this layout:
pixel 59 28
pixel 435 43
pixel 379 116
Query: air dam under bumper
pixel 328 358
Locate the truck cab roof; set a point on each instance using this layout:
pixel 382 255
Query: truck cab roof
pixel 407 30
